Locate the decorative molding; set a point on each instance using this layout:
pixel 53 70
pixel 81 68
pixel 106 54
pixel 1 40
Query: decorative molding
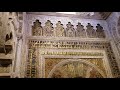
pixel 69 31
pixel 82 45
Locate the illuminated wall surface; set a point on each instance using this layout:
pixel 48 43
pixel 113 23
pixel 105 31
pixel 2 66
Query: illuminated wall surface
pixel 35 45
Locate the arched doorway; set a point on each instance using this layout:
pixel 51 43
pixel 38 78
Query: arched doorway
pixel 76 69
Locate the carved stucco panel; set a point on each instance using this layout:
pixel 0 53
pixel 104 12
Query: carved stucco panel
pixel 64 20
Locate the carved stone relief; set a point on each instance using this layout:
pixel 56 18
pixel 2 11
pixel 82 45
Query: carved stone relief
pixel 90 31
pixel 74 69
pixel 37 29
pixel 32 64
pixel 9 34
pixel 80 31
pixel 114 33
pixel 48 29
pixel 70 31
pixel 49 64
pixel 100 32
pixel 59 30
pixel 20 27
pixel 95 45
pixel 114 28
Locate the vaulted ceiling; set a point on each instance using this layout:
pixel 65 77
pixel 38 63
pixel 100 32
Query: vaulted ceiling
pixel 97 15
pixel 105 15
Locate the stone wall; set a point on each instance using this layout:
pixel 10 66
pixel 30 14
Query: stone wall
pixel 10 34
pixel 113 25
pixel 23 25
pixel 42 21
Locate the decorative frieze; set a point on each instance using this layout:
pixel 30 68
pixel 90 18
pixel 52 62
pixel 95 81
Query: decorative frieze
pixel 74 45
pixel 32 64
pixel 70 31
pixel 67 44
pixel 71 53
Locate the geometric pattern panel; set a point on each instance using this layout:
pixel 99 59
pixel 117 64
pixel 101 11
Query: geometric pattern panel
pixel 35 46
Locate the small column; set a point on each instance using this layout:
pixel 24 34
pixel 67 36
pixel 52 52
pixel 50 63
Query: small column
pixel 18 56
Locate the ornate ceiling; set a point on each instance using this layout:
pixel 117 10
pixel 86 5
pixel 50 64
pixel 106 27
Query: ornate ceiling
pixel 85 15
pixel 105 15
